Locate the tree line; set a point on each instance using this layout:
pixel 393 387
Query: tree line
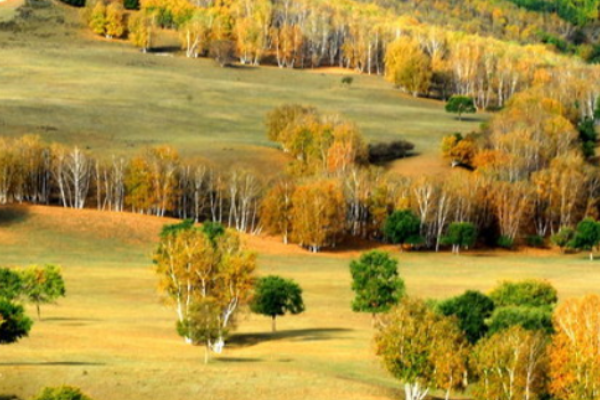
pixel 422 59
pixel 512 343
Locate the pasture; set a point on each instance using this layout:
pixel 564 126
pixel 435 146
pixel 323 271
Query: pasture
pixel 113 337
pixel 61 82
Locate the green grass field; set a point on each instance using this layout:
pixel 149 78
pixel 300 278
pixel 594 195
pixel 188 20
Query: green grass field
pixel 114 338
pixel 60 82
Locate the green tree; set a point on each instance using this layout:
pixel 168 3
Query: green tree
pixel 460 105
pixel 14 324
pixel 471 309
pixel 528 293
pixel 529 318
pixel 375 282
pixel 61 393
pixel 460 234
pixel 402 227
pixel 42 285
pixel 10 284
pixel 587 236
pixel 275 296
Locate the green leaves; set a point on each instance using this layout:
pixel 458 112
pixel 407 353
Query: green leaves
pixel 42 284
pixel 275 296
pixel 402 227
pixel 14 324
pixel 375 282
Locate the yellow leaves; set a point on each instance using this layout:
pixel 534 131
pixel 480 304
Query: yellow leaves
pixel 575 350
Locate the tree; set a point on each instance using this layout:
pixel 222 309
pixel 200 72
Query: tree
pixel 460 105
pixel 318 214
pixel 529 293
pixel 115 24
pixel 276 209
pixel 422 349
pixel 402 227
pixel 375 282
pixel 42 285
pixel 408 66
pixel 511 365
pixel 139 27
pixel 11 286
pixel 208 274
pixel 14 324
pixel 575 350
pixel 587 236
pixel 460 234
pixel 275 296
pixel 98 18
pixel 529 318
pixel 222 51
pixel 472 309
pixel 61 393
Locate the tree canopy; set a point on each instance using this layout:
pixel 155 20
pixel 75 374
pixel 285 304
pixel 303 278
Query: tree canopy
pixel 275 296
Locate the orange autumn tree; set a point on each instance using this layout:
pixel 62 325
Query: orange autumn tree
pixel 575 350
pixel 276 209
pixel 318 214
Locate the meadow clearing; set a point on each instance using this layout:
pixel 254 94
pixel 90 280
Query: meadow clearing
pixel 113 337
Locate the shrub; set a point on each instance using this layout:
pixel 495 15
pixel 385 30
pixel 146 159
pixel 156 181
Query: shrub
pixel 347 80
pixel 471 309
pixel 62 393
pixel 506 242
pixel 74 3
pixel 384 152
pixel 131 4
pixel 535 241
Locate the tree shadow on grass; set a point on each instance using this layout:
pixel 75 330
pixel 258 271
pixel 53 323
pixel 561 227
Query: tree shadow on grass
pixel 50 364
pixel 252 339
pixel 12 215
pixel 9 397
pixel 238 360
pixel 67 319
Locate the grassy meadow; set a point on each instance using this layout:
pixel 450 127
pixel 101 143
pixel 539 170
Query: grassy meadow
pixel 113 337
pixel 61 82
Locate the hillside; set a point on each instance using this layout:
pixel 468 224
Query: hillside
pixel 63 84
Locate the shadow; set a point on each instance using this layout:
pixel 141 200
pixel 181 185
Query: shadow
pixel 67 319
pixel 9 397
pixel 164 49
pixel 51 364
pixel 301 335
pixel 238 360
pixel 11 215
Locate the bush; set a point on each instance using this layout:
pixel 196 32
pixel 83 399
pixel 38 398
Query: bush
pixel 505 242
pixel 402 227
pixel 384 152
pixel 563 237
pixel 535 241
pixel 347 80
pixel 15 324
pixel 62 393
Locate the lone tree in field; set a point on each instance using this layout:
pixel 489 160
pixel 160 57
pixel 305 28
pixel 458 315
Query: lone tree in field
pixel 61 393
pixel 587 236
pixel 42 285
pixel 208 274
pixel 422 349
pixel 275 296
pixel 402 227
pixel 375 282
pixel 14 324
pixel 460 234
pixel 460 105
